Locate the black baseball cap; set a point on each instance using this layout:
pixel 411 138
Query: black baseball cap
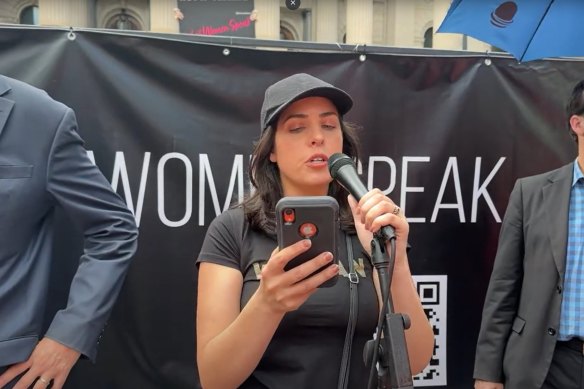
pixel 298 86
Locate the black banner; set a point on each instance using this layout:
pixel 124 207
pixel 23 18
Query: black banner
pixel 171 123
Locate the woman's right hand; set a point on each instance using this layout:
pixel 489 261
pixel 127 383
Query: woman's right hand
pixel 226 330
pixel 284 291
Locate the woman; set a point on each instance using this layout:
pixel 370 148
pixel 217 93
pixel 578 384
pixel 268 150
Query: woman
pixel 259 326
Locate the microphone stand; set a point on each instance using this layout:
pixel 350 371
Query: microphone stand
pixel 388 349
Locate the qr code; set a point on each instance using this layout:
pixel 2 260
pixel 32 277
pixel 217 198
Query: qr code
pixel 432 291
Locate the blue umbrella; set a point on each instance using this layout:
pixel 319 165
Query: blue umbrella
pixel 528 29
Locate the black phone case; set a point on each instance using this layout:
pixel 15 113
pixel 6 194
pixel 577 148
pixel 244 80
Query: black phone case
pixel 318 215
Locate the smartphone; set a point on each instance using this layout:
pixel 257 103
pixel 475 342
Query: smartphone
pixel 308 217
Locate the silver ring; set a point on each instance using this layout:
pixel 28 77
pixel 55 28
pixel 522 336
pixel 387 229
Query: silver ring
pixel 396 210
pixel 44 381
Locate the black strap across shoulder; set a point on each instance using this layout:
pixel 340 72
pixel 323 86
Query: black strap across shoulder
pixel 353 310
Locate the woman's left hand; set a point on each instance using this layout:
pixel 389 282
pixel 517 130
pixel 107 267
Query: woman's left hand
pixel 376 210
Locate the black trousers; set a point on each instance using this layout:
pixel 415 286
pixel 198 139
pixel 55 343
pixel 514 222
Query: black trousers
pixel 567 368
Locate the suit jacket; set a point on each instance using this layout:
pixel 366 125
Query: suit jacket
pixel 43 165
pixel 521 315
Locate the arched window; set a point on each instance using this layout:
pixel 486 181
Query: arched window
pixel 30 15
pixel 123 21
pixel 429 37
pixel 286 34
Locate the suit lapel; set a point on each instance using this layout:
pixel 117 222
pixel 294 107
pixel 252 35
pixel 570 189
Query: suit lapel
pixel 5 104
pixel 556 202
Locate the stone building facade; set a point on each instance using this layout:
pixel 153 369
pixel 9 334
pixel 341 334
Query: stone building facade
pixel 398 23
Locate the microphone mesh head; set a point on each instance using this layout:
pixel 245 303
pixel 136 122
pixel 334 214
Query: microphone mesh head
pixel 337 161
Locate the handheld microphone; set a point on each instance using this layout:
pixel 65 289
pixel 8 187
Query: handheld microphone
pixel 343 170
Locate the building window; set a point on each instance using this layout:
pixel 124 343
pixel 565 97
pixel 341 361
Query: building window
pixel 123 21
pixel 429 38
pixel 286 34
pixel 30 15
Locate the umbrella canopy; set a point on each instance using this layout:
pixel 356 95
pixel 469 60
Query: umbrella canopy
pixel 528 29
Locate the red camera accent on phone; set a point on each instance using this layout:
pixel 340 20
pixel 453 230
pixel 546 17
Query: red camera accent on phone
pixel 307 230
pixel 289 216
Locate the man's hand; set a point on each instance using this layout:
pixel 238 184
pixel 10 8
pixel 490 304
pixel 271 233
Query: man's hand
pixel 480 384
pixel 49 361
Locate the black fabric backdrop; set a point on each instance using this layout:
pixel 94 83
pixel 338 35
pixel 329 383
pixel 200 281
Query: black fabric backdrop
pixel 177 116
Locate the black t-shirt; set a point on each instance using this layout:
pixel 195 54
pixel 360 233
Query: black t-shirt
pixel 307 347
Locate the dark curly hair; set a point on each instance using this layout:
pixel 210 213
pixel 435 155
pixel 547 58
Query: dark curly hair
pixel 575 106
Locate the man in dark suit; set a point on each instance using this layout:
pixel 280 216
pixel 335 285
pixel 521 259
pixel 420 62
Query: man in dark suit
pixel 43 165
pixel 533 318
